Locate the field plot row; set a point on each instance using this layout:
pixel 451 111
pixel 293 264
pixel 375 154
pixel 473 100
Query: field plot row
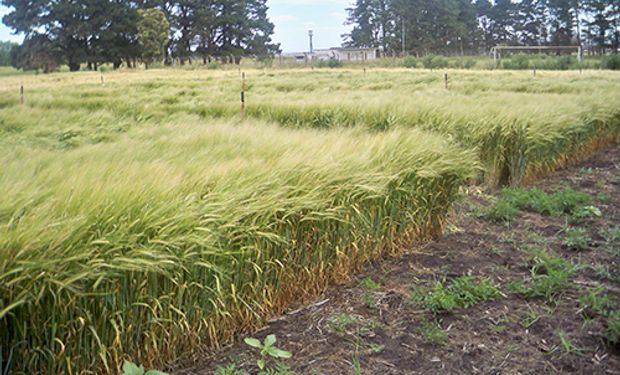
pixel 182 232
pixel 141 218
pixel 522 126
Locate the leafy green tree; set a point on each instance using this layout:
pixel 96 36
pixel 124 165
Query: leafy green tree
pixel 37 52
pixel 531 22
pixel 602 27
pixel 5 52
pixel 153 34
pixel 563 21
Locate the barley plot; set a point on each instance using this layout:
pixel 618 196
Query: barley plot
pixel 142 218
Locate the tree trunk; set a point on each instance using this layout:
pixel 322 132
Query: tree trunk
pixel 74 66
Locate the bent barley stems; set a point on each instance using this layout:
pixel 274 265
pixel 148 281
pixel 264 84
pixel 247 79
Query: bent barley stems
pixel 139 220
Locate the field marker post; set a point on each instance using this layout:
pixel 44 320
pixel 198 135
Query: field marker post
pixel 534 72
pixel 21 95
pixel 102 80
pixel 243 95
pixel 446 80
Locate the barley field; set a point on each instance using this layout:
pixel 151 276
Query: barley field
pixel 142 217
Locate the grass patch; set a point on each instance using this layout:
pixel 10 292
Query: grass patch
pixel 566 202
pixel 369 288
pixel 503 212
pixel 345 323
pixel 612 240
pixel 433 333
pixel 595 302
pixel 555 204
pixel 612 332
pixel 549 275
pixel 576 239
pixel 462 292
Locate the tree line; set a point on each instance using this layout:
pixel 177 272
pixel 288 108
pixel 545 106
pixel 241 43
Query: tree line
pixel 95 32
pixel 466 26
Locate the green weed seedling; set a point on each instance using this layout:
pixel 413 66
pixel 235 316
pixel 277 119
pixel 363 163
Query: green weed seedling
pixel 433 334
pixel 267 348
pixel 602 271
pixel 502 212
pixel 576 239
pixel 531 318
pixel 463 292
pixel 567 345
pixel 369 286
pixel 604 197
pixel 340 323
pixel 585 212
pixel 612 240
pixel 595 302
pixel 231 369
pixel 343 324
pixel 130 368
pixel 612 333
pixel 356 365
pixel 563 202
pixel 548 277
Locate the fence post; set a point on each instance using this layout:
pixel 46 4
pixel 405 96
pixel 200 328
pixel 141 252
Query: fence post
pixel 21 95
pixel 446 80
pixel 243 95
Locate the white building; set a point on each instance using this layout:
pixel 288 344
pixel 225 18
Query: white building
pixel 345 54
pixel 340 54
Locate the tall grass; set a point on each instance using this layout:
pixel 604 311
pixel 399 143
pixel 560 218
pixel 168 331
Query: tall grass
pixel 183 234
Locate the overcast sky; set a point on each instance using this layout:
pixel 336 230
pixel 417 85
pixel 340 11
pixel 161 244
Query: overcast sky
pixel 293 19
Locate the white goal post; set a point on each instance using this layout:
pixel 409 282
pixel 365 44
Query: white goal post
pixel 496 51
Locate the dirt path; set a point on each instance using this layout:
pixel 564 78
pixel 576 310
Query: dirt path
pixel 371 325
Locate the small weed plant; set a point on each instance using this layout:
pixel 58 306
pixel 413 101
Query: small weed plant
pixel 130 368
pixel 503 212
pixel 231 369
pixel 433 334
pixel 565 202
pixel 612 333
pixel 595 302
pixel 576 239
pixel 549 275
pixel 612 240
pixel 267 349
pixel 370 287
pixel 567 345
pixel 463 292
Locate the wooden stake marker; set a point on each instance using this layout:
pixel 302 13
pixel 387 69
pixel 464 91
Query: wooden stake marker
pixel 21 95
pixel 446 80
pixel 243 95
